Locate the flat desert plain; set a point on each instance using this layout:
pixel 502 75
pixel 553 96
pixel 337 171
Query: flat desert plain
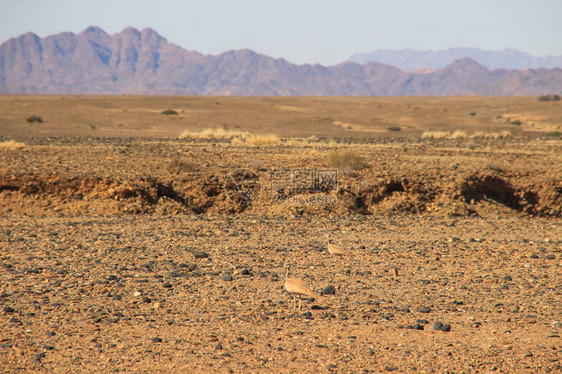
pixel 137 241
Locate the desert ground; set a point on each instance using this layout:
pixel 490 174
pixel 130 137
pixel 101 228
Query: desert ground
pixel 137 241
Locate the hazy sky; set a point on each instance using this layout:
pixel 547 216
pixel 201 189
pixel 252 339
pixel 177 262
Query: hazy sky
pixel 305 31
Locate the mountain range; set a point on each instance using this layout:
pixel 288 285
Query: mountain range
pixel 144 62
pixel 411 59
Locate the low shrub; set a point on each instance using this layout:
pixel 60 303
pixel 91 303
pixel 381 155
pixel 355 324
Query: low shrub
pixel 34 118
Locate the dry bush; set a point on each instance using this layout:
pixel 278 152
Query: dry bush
pixel 459 134
pixel 181 165
pixel 269 139
pixel 435 135
pixel 34 118
pixel 11 144
pixel 394 128
pixel 212 134
pixel 346 161
pixel 491 135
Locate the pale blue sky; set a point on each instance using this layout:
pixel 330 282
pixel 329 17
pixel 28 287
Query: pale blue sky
pixel 301 31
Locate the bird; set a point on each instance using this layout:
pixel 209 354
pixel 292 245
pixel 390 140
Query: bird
pixel 335 250
pixel 297 287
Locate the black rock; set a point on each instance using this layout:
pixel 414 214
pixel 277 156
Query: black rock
pixel 307 315
pixel 422 321
pixel 227 278
pixel 167 285
pixel 218 347
pixel 157 340
pixel 446 327
pixel 424 310
pixel 240 339
pixel 146 299
pixel 534 256
pixel 437 326
pixel 245 272
pixel 329 291
pixel 9 309
pixel 97 320
pixel 550 257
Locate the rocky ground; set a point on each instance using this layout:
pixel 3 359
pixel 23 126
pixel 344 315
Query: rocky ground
pixel 159 255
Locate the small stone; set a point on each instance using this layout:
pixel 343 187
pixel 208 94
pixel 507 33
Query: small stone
pixel 227 278
pixel 437 326
pixel 146 299
pixel 200 254
pixel 218 347
pixel 550 257
pixel 157 340
pixel 9 309
pixel 422 321
pixel 114 319
pixel 446 327
pixel 330 290
pixel 454 239
pixel 167 285
pixel 424 310
pixel 50 333
pixel 534 256
pixel 245 272
pixel 240 339
pixel 507 278
pixel 97 320
pixel 307 315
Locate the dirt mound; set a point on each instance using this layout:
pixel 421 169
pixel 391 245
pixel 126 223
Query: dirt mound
pixel 242 191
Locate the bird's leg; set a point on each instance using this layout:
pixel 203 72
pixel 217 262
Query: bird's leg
pixel 294 301
pixel 300 303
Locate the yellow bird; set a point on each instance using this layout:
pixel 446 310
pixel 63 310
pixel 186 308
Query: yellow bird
pixel 297 287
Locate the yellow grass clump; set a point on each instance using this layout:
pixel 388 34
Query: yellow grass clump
pixel 269 139
pixel 346 161
pixel 218 133
pixel 492 135
pixel 11 144
pixel 459 134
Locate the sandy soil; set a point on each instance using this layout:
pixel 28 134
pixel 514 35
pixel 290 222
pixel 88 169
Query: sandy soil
pixel 154 254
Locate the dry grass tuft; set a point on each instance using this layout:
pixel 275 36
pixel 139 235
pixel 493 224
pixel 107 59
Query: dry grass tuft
pixel 491 135
pixel 11 144
pixel 459 134
pixel 346 162
pixel 212 134
pixel 180 165
pixel 269 139
pixel 435 135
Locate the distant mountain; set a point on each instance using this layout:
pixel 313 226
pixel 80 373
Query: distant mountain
pixel 143 62
pixel 419 60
